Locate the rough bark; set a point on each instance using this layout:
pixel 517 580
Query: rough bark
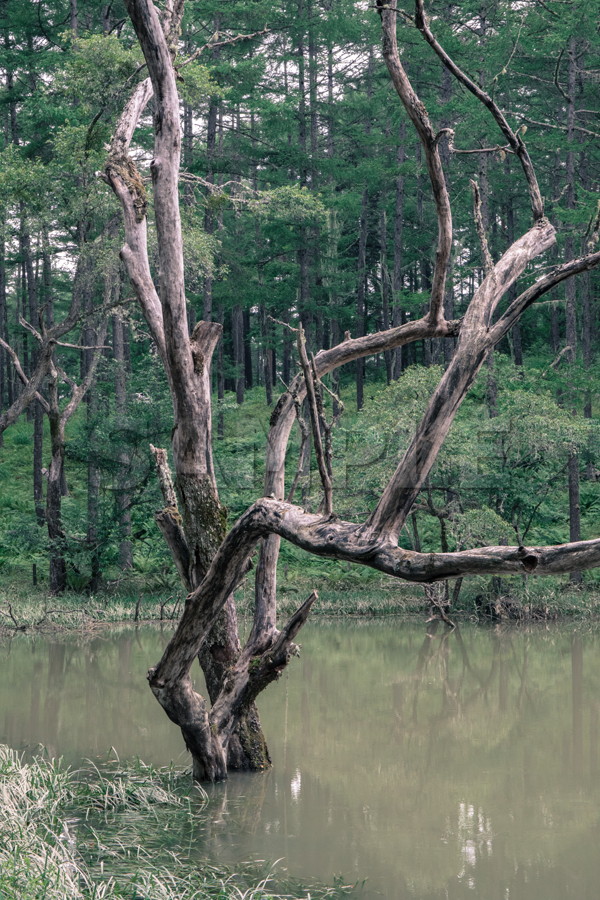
pixel 194 524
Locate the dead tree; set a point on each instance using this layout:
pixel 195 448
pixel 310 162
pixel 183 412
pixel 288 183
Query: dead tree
pixel 42 385
pixel 225 733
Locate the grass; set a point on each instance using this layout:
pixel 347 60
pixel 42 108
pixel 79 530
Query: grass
pixel 343 591
pixel 100 835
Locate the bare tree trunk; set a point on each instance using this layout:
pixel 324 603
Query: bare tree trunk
pixel 187 359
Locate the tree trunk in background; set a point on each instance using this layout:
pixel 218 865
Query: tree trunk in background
pixel 247 338
pixel 363 234
pixel 397 314
pixel 516 343
pixel 93 499
pixel 36 409
pixel 268 354
pixel 46 300
pixel 385 290
pixel 237 335
pixel 123 495
pixel 5 365
pixel 56 534
pixel 361 293
pixel 304 250
pixel 220 380
pixel 574 509
pixel 211 147
pixel 570 294
pixel 38 451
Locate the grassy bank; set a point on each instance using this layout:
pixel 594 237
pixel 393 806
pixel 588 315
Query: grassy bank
pixel 357 593
pixel 93 835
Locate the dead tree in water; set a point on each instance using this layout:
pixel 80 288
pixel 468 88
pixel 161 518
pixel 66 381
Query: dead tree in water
pixel 226 734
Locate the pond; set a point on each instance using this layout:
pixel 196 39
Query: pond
pixel 449 765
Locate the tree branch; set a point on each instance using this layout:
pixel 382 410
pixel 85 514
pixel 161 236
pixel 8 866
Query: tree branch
pixel 418 116
pixel 514 140
pixel 537 290
pixel 473 345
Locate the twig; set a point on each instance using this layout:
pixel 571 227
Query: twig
pixel 12 617
pixel 497 149
pixel 83 347
pixel 558 127
pixel 225 43
pixel 505 67
pixel 556 362
pixel 337 400
pixel 440 606
pixel 285 324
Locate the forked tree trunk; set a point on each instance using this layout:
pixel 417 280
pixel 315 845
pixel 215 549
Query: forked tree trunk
pixel 214 563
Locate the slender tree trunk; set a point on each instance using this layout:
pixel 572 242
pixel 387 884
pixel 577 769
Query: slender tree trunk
pixel 56 534
pixel 123 494
pixel 38 449
pixel 237 333
pixel 576 577
pixel 397 280
pixel 93 500
pixel 361 294
pixel 220 380
pixel 385 290
pixel 570 295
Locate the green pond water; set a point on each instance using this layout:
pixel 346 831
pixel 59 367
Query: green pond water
pixel 436 767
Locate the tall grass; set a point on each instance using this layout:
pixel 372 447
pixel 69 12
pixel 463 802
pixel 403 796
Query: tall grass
pixel 99 835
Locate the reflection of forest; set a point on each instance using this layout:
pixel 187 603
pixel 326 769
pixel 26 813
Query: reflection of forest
pixel 80 696
pixel 436 765
pixel 484 774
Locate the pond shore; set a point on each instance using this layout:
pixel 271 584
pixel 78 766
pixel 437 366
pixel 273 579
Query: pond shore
pixel 26 609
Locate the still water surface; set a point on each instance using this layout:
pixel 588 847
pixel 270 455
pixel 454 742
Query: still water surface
pixel 443 767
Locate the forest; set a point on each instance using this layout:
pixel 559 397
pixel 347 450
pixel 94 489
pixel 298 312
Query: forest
pixel 323 262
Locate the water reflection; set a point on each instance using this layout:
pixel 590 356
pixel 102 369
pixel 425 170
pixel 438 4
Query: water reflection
pixel 436 765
